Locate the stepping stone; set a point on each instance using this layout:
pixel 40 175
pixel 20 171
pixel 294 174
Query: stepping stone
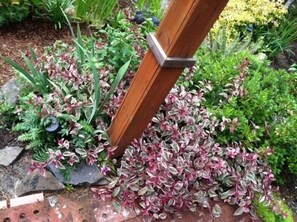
pixel 9 154
pixel 35 182
pixel 84 174
pixel 10 91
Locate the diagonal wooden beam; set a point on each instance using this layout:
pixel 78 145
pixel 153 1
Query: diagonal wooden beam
pixel 182 30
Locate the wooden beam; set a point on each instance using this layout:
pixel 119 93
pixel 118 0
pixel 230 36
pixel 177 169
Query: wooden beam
pixel 182 30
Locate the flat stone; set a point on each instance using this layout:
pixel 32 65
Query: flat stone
pixel 35 182
pixel 10 91
pixel 12 175
pixel 84 174
pixel 9 154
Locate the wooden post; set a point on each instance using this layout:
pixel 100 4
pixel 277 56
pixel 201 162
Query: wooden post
pixel 182 30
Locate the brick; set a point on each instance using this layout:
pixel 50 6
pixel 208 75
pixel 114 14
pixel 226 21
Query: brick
pixel 26 200
pixel 36 212
pixel 108 213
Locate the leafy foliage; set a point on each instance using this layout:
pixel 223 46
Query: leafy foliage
pixel 30 123
pixel 7 117
pixel 13 11
pixel 37 78
pixel 80 96
pixel 94 11
pixel 177 165
pixel 257 104
pixel 153 6
pixel 55 10
pixel 257 14
pixel 278 39
pixel 267 214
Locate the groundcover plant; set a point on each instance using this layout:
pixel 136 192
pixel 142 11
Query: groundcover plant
pixel 177 164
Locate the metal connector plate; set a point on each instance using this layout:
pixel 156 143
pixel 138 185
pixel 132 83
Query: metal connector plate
pixel 165 61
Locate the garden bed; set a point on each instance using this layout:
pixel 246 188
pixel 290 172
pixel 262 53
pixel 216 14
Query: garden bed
pixel 38 34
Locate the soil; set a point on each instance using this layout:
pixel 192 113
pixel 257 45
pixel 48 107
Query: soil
pixel 8 138
pixel 38 34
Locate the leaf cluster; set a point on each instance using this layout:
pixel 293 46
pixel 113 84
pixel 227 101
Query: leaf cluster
pixel 13 11
pixel 94 11
pixel 259 98
pixel 266 213
pixel 178 165
pixel 80 90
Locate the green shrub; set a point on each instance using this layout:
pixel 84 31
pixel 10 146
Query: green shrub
pixel 256 103
pixel 153 6
pixel 55 10
pixel 13 11
pixel 267 214
pixel 94 11
pixel 239 14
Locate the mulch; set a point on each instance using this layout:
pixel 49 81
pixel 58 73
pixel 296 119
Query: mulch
pixel 31 33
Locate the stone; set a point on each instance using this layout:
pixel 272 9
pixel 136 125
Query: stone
pixel 35 182
pixel 10 91
pixel 83 174
pixel 12 175
pixel 9 154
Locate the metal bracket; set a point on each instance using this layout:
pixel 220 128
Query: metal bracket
pixel 165 61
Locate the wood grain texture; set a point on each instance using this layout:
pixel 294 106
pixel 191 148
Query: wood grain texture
pixel 181 32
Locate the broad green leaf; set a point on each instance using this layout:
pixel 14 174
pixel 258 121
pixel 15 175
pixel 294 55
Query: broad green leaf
pixel 36 74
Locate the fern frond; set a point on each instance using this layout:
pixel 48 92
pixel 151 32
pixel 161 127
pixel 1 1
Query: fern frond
pixel 21 127
pixel 25 137
pixel 87 126
pixel 35 144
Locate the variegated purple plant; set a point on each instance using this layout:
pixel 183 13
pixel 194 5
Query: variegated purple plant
pixel 177 165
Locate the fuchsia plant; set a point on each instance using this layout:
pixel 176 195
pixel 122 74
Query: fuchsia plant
pixel 177 165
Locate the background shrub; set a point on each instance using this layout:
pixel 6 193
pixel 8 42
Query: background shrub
pixel 94 11
pixel 13 11
pixel 241 14
pixel 268 215
pixel 256 103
